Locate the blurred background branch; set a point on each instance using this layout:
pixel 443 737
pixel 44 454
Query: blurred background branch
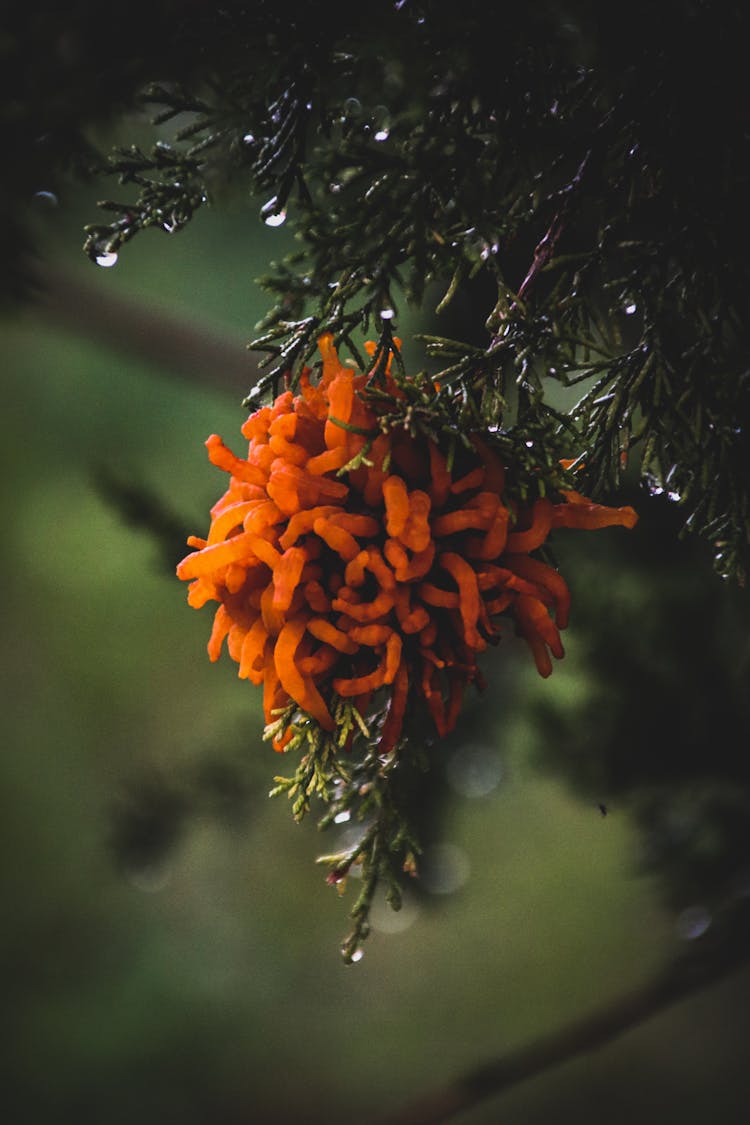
pixel 699 968
pixel 200 352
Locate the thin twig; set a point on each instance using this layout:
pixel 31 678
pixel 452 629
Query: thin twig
pixel 545 248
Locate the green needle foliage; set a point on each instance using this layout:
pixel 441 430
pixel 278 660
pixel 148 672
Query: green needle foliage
pixel 583 177
pixel 561 188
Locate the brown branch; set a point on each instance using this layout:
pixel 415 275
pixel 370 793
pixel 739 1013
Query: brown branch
pixel 157 336
pixel 545 248
pixel 676 981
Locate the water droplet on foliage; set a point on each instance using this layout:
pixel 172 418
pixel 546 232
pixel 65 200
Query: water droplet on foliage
pixel 47 197
pixel 106 260
pixel 656 488
pixel 381 119
pixel 387 314
pixel 357 955
pixel 389 921
pixel 342 817
pixel 692 923
pixel 272 214
pixel 249 139
pixel 630 309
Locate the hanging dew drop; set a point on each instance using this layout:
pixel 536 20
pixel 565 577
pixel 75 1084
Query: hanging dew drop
pixel 381 120
pixel 630 309
pixel 357 955
pixel 387 314
pixel 272 214
pixel 693 922
pixel 106 260
pixel 47 197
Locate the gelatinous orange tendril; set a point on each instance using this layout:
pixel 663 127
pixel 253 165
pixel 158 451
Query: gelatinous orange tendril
pixel 372 583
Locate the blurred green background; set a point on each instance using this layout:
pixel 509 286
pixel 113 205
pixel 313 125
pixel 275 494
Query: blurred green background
pixel 170 947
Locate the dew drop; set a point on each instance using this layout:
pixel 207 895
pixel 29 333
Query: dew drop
pixel 47 197
pixel 248 139
pixel 357 955
pixel 386 920
pixel 106 260
pixel 692 923
pixel 630 309
pixel 271 214
pixel 381 119
pixel 342 817
pixel 387 314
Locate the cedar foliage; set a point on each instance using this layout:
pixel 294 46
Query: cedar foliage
pixel 571 178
